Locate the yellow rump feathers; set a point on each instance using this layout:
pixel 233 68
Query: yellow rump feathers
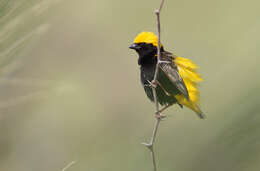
pixel 146 37
pixel 191 78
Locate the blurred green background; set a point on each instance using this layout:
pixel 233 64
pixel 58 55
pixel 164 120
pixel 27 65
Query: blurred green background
pixel 70 87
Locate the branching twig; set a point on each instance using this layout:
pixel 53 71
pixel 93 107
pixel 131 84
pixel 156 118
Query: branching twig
pixel 157 113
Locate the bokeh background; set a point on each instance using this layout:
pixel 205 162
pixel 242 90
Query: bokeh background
pixel 70 90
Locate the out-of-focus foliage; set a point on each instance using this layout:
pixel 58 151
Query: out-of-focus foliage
pixel 70 87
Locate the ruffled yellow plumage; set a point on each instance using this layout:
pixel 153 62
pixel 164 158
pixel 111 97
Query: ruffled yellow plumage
pixel 191 78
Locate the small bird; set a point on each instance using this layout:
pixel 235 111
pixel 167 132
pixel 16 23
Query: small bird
pixel 177 76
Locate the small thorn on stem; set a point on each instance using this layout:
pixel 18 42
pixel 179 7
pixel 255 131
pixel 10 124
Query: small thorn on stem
pixel 148 145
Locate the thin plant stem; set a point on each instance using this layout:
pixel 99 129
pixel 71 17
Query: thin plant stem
pixel 157 111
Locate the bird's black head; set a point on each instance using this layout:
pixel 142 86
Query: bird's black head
pixel 145 44
pixel 144 50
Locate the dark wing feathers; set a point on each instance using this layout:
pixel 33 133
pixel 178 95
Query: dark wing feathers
pixel 170 69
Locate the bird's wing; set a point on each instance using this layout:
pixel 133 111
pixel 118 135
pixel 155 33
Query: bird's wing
pixel 170 69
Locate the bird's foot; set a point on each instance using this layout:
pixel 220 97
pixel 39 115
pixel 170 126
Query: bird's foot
pixel 159 115
pixel 153 83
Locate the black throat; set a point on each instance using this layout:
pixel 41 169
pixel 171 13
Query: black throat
pixel 147 60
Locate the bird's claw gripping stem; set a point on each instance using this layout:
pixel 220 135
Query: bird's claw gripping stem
pixel 153 83
pixel 158 115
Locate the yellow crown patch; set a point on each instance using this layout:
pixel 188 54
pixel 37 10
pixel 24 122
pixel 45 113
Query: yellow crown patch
pixel 147 37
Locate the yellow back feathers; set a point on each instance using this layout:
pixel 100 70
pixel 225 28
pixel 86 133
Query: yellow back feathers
pixel 146 37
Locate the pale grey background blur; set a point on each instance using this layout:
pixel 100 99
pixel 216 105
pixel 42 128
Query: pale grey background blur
pixel 70 90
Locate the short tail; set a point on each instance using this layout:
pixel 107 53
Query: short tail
pixel 200 114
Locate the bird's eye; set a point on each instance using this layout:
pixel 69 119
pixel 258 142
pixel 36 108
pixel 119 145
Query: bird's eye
pixel 144 46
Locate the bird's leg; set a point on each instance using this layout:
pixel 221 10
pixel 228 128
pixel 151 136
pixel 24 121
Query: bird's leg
pixel 154 85
pixel 168 94
pixel 159 114
pixel 164 108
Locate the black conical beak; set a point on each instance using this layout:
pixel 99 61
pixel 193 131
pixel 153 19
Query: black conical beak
pixel 134 46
